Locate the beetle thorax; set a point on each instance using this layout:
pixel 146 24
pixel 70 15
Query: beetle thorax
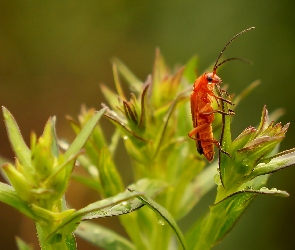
pixel 206 82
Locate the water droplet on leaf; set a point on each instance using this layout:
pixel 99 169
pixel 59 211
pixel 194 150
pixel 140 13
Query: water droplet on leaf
pixel 161 221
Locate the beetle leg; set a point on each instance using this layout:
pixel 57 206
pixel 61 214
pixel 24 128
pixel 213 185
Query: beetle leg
pixel 230 112
pixel 196 130
pixel 223 99
pixel 217 144
pixel 225 92
pixel 201 127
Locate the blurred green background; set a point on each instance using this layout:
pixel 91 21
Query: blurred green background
pixel 54 54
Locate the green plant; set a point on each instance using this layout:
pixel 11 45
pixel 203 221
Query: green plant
pixel 169 175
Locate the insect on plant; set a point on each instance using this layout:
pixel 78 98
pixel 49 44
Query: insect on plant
pixel 201 100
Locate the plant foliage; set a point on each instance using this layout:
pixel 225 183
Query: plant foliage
pixel 169 176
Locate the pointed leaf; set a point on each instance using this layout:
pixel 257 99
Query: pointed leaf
pixel 18 144
pixel 110 96
pixel 114 142
pixel 118 83
pixel 97 209
pixel 165 215
pixel 231 208
pixel 277 162
pixel 64 240
pixel 49 215
pixel 19 182
pixel 87 182
pixel 126 130
pixel 9 196
pixel 142 120
pixel 109 176
pixel 222 217
pixel 82 137
pixel 54 145
pixel 163 128
pixel 225 141
pixel 190 68
pixel 71 242
pixel 264 123
pixel 147 186
pixel 22 245
pixel 102 237
pixel 134 83
pixel 120 204
pixel 246 92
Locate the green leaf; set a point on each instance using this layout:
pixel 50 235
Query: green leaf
pixel 225 141
pixel 18 144
pixel 110 179
pixel 120 204
pixel 133 222
pixel 54 145
pixel 222 217
pixel 110 96
pixel 165 215
pixel 102 237
pixel 160 136
pixel 22 245
pixel 134 83
pixel 231 208
pixel 124 130
pixel 9 196
pixel 160 70
pixel 87 163
pixel 19 182
pixel 82 137
pixel 277 162
pixel 57 241
pixel 246 92
pixel 71 242
pixel 147 186
pixel 99 209
pixel 150 187
pixel 114 142
pixel 190 68
pixel 48 215
pixel 118 83
pixel 199 187
pixel 88 182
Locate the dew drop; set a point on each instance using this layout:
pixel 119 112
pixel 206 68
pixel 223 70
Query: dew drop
pixel 125 137
pixel 161 222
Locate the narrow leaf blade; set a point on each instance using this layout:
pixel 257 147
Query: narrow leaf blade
pixel 167 217
pixel 22 245
pixel 82 137
pixel 278 162
pixel 134 83
pixel 102 237
pixel 9 196
pixel 18 144
pixel 222 217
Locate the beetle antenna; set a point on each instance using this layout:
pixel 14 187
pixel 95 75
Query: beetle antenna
pixel 216 65
pixel 233 58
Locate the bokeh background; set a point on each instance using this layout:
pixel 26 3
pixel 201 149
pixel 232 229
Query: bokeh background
pixel 54 54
